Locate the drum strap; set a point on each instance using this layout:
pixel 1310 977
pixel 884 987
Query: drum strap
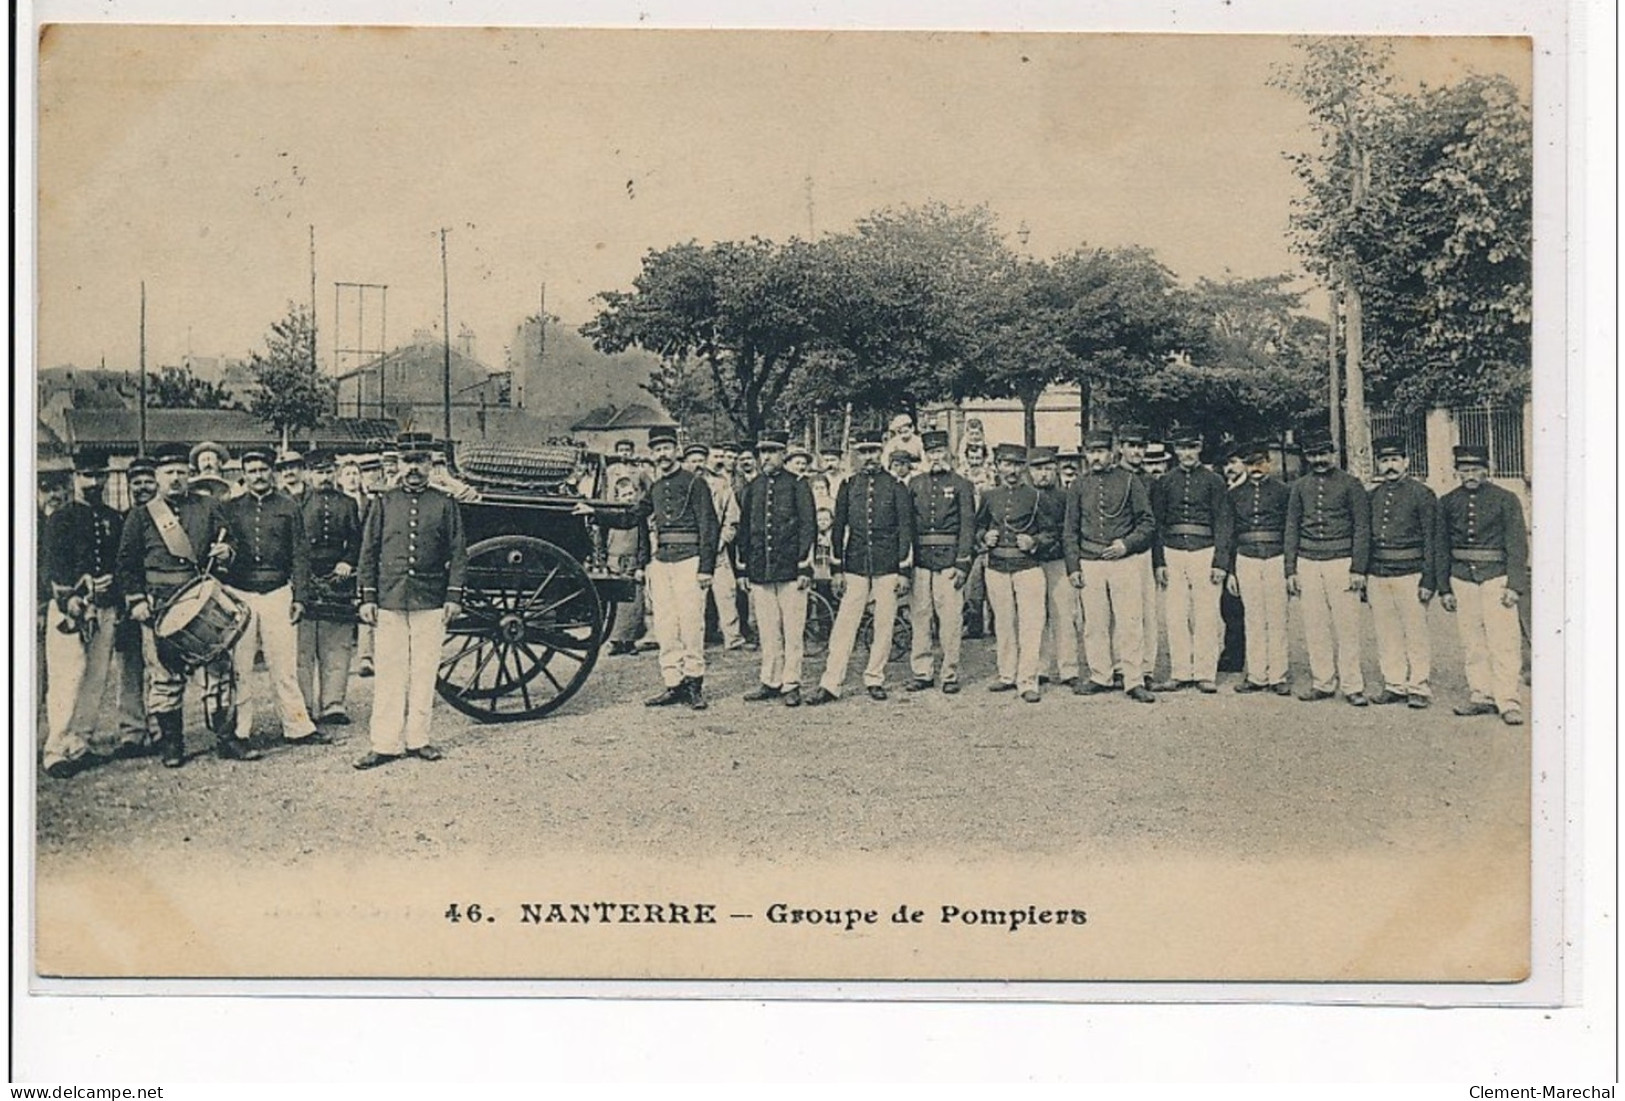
pixel 169 529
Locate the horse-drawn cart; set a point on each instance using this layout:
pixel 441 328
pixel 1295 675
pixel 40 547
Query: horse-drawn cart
pixel 540 597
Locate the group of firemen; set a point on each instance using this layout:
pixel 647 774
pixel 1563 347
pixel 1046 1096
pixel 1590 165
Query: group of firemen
pixel 1069 561
pixel 304 546
pixel 1072 563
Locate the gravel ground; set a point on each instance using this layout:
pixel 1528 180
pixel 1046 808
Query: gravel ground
pixel 977 775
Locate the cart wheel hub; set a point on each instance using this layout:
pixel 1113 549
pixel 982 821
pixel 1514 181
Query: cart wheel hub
pixel 512 628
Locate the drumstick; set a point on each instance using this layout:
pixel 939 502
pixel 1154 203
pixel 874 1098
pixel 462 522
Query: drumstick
pixel 208 567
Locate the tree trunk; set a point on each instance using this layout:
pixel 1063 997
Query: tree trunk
pixel 1029 419
pixel 1357 430
pixel 1334 391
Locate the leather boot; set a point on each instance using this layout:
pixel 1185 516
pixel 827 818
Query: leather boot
pixel 677 693
pixel 171 740
pixel 696 693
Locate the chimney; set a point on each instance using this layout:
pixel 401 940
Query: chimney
pixel 465 341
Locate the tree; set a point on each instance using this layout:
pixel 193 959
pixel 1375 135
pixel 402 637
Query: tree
pixel 745 310
pixel 1123 318
pixel 904 297
pixel 1021 347
pixel 291 394
pixel 179 388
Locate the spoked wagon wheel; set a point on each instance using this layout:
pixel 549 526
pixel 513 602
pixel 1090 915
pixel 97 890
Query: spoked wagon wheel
pixel 902 632
pixel 528 636
pixel 820 618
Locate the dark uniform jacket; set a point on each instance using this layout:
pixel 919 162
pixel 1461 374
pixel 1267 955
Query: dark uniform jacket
pixel 1013 511
pixel 1052 518
pixel 1404 531
pixel 146 569
pixel 684 515
pixel 1327 517
pixel 1259 511
pixel 873 532
pixel 944 520
pixel 1481 537
pixel 333 525
pixel 1102 508
pixel 81 539
pixel 778 524
pixel 1193 513
pixel 1148 483
pixel 413 552
pixel 268 538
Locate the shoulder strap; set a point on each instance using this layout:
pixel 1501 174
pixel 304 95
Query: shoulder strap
pixel 169 529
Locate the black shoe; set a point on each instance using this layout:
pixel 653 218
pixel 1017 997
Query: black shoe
pixel 1031 696
pixel 1474 707
pixel 1245 686
pixel 129 751
pixel 1385 697
pixel 876 692
pixel 235 749
pixel 792 696
pixel 1141 694
pixel 821 695
pixel 1281 688
pixel 1117 681
pixel 1086 687
pixel 1419 702
pixel 1043 679
pixel 761 692
pixel 366 668
pixel 1356 699
pixel 1315 695
pixel 171 740
pixel 65 770
pixel 1001 686
pixel 425 753
pixel 373 759
pixel 696 693
pixel 318 738
pixel 919 684
pixel 1069 682
pixel 1171 685
pixel 950 687
pixel 676 693
pixel 1207 687
pixel 337 718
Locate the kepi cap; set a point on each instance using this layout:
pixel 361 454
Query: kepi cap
pixel 1132 433
pixel 1010 452
pixel 1471 454
pixel 773 440
pixel 172 454
pixel 1317 441
pixel 867 439
pixel 1385 447
pixel 662 434
pixel 1041 456
pixel 934 440
pixel 1097 438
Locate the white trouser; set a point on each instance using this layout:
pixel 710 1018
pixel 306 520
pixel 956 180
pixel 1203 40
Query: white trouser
pixel 78 673
pixel 843 636
pixel 1403 648
pixel 1150 621
pixel 1262 582
pixel 1195 631
pixel 1019 601
pixel 1331 624
pixel 409 646
pixel 781 621
pixel 1489 641
pixel 935 594
pixel 1113 611
pixel 271 631
pixel 724 590
pixel 1059 647
pixel 679 618
pixel 325 650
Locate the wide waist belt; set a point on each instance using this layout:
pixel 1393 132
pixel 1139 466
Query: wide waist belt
pixel 1010 552
pixel 675 537
pixel 1479 554
pixel 1261 538
pixel 1337 547
pixel 169 577
pixel 1093 546
pixel 1204 531
pixel 1397 554
pixel 943 540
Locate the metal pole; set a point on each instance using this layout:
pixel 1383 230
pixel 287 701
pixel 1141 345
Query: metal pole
pixel 313 299
pixel 1334 391
pixel 383 346
pixel 445 332
pixel 141 441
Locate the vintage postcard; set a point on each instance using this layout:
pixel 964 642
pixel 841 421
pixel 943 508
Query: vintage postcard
pixel 565 504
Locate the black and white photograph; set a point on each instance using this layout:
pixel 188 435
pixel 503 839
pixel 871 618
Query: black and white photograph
pixel 583 504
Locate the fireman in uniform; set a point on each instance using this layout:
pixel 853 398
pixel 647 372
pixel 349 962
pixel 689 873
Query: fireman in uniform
pixel 1009 526
pixel 414 560
pixel 1483 574
pixel 944 534
pixel 778 524
pixel 1132 447
pixel 81 544
pixel 682 512
pixel 1404 569
pixel 327 632
pixel 719 476
pixel 271 574
pixel 873 537
pixel 1108 535
pixel 1328 550
pixel 1258 571
pixel 1192 507
pixel 164 546
pixel 1063 619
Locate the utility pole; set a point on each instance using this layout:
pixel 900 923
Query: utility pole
pixel 1357 432
pixel 313 299
pixel 141 440
pixel 445 334
pixel 1334 393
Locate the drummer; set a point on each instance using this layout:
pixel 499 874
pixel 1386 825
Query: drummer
pixel 166 545
pixel 332 522
pixel 271 574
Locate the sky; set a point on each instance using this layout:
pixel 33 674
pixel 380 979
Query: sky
pixel 197 159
